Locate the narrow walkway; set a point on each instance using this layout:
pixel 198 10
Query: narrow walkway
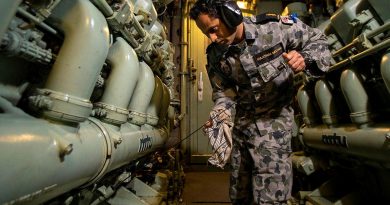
pixel 205 185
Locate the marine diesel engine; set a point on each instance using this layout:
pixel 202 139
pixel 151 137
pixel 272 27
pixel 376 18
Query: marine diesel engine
pixel 344 129
pixel 84 101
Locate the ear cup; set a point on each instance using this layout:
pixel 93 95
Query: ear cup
pixel 230 13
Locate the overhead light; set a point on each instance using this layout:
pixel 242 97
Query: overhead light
pixel 242 4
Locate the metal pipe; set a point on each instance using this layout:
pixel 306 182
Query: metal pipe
pixel 371 143
pixel 40 147
pixel 357 40
pixel 69 157
pixel 84 50
pixel 103 6
pixel 154 107
pixel 346 48
pixel 121 82
pixel 306 105
pixel 7 14
pixel 141 31
pixel 148 6
pixel 379 30
pixel 142 95
pixel 37 21
pixel 382 45
pixel 165 101
pixel 158 29
pixel 8 108
pixel 136 143
pixel 130 38
pixel 385 69
pixel 326 102
pixel 12 93
pixel 79 61
pixel 184 72
pixel 356 97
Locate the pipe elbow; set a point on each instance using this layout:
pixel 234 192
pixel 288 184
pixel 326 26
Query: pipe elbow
pixel 124 74
pixel 84 49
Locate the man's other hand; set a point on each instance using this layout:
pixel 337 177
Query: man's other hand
pixel 295 60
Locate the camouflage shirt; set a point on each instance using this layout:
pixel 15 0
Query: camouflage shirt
pixel 255 75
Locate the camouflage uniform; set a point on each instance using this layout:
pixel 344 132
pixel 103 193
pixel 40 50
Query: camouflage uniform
pixel 254 76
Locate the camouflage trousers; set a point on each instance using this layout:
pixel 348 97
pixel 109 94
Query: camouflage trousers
pixel 260 162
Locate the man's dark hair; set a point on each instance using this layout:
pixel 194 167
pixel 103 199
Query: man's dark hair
pixel 203 6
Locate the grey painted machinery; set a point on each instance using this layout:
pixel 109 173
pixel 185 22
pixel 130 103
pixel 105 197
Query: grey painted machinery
pixel 84 102
pixel 344 128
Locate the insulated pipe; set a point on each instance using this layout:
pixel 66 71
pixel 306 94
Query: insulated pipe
pixel 307 107
pixel 121 82
pixel 356 97
pixel 142 95
pixel 154 107
pixel 326 102
pixel 165 101
pixel 370 143
pixel 45 160
pixel 385 69
pixel 134 143
pixel 69 157
pixel 83 51
pixel 78 64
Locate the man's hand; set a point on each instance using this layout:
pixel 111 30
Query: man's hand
pixel 208 123
pixel 295 60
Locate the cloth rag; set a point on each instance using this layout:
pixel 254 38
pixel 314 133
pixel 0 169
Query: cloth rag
pixel 220 136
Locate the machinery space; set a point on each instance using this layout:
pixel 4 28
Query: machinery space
pixel 103 102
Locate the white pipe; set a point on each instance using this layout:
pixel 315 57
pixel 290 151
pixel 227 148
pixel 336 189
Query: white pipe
pixel 154 107
pixel 121 82
pixel 124 73
pixel 137 143
pixel 12 93
pixel 146 5
pixel 305 101
pixel 45 160
pixel 33 163
pixel 385 69
pixel 165 101
pixel 142 95
pixel 356 96
pixel 326 102
pixel 83 51
pixel 369 143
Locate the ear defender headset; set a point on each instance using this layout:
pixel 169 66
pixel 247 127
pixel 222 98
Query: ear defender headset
pixel 229 12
